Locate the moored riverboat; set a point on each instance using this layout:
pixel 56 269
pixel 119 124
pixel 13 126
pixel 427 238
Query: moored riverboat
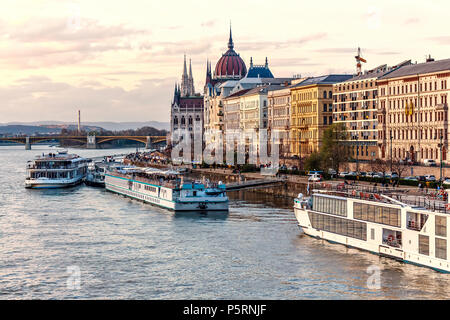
pixel 168 189
pixel 412 228
pixel 55 170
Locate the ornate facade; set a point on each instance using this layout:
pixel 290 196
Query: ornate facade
pixel 229 67
pixel 355 105
pixel 413 112
pixel 311 112
pixel 187 108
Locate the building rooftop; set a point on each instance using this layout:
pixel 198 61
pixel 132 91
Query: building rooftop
pixel 259 72
pixel 328 79
pixel 238 94
pixel 420 68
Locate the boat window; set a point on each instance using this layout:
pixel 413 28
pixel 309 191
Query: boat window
pixel 441 226
pixel 330 205
pixel 441 248
pixel 349 228
pixel 377 214
pixel 424 244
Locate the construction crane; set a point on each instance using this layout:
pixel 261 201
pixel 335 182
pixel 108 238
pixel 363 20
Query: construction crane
pixel 359 59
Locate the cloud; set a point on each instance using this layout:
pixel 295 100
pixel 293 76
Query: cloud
pixel 40 98
pixel 40 43
pixel 209 23
pixel 442 40
pixel 293 43
pixel 60 30
pixel 412 21
pixel 336 50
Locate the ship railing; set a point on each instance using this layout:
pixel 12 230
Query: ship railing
pixel 51 167
pixel 164 183
pixel 397 243
pixel 373 193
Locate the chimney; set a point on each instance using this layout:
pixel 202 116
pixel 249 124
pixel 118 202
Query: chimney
pixel 429 58
pixel 79 121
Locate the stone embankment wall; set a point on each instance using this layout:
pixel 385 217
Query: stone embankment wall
pixel 290 188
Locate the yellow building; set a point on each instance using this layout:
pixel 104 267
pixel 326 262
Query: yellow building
pixel 311 112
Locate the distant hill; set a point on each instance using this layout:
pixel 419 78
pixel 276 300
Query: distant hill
pixel 29 130
pixel 50 129
pixel 113 126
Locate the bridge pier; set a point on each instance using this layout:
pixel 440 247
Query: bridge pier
pixel 91 142
pixel 27 143
pixel 149 144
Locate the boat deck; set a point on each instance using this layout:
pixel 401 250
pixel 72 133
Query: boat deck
pixel 433 201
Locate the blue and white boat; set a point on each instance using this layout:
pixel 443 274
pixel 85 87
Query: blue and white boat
pixel 55 170
pixel 167 189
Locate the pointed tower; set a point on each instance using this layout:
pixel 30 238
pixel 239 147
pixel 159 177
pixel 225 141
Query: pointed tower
pixel 184 80
pixel 230 41
pixel 191 80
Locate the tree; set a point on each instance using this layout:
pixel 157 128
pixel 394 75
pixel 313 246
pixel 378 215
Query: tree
pixel 314 162
pixel 399 167
pixel 379 165
pixel 334 151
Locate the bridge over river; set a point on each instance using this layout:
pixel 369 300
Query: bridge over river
pixel 90 141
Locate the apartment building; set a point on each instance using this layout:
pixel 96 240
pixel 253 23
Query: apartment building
pixel 413 112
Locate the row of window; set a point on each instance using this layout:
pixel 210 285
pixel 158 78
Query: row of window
pixel 377 214
pixel 401 117
pixel 330 205
pixel 341 226
pixel 413 88
pixel 353 86
pixel 417 134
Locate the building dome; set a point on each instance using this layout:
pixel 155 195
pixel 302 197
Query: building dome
pixel 230 65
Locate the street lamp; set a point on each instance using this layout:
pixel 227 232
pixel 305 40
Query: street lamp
pixel 391 153
pixel 440 145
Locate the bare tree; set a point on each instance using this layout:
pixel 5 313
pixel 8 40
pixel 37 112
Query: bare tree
pixel 400 167
pixel 379 165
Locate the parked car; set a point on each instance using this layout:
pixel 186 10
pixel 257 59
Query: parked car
pixel 332 171
pixel 393 175
pixel 446 181
pixel 315 178
pixel 411 178
pixel 421 178
pixel 429 163
pixel 343 174
pixel 363 174
pixel 352 174
pixel 430 177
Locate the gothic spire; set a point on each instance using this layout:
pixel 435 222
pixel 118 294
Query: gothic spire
pixel 185 69
pixel 230 41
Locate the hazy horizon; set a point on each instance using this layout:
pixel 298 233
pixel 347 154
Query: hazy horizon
pixel 119 61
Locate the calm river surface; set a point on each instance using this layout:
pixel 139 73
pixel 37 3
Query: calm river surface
pixel 124 249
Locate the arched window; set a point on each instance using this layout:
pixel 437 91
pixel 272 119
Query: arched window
pixel 324 94
pixel 183 120
pixel 175 120
pixel 190 120
pixel 330 94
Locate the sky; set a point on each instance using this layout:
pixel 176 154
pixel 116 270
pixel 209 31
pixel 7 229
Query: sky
pixel 119 60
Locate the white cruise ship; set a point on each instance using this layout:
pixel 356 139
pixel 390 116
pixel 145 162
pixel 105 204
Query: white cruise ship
pixel 55 170
pixel 412 229
pixel 167 189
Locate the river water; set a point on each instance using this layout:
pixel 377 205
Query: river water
pixel 86 243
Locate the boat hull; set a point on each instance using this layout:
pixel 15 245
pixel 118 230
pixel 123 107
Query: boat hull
pixel 52 184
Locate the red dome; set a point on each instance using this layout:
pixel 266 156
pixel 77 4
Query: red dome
pixel 230 65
